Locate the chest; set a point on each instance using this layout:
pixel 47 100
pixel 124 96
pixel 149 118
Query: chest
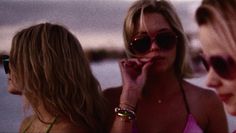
pixel 163 117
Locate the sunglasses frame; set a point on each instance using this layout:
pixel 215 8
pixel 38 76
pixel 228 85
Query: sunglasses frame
pixel 5 62
pixel 150 40
pixel 223 65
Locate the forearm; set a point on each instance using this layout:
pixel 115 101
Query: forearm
pixel 124 120
pixel 121 125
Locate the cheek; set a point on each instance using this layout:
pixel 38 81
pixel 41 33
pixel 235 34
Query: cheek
pixel 13 89
pixel 231 109
pixel 172 56
pixel 231 85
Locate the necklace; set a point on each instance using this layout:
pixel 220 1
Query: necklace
pixel 159 101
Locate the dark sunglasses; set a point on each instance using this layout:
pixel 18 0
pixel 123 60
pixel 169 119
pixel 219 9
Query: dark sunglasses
pixel 223 65
pixel 5 62
pixel 140 44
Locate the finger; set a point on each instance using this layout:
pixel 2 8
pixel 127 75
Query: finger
pixel 121 65
pixel 146 68
pixel 134 59
pixel 145 59
pixel 132 63
pixel 123 60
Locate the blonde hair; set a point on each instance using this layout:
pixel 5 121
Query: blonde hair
pixel 134 17
pixel 48 63
pixel 219 17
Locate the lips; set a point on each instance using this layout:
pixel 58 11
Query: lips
pixel 158 60
pixel 225 97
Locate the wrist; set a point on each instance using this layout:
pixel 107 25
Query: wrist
pixel 125 114
pixel 127 105
pixel 129 97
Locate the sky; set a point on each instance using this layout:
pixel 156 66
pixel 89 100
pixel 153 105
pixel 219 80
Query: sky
pixel 96 23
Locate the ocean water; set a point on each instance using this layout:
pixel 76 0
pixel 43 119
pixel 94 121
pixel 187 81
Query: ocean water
pixel 108 74
pixel 11 111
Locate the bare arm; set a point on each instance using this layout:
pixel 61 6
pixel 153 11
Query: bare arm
pixel 217 117
pixel 122 126
pixel 133 74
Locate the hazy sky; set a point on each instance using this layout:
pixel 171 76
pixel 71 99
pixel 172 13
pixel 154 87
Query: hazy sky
pixel 96 23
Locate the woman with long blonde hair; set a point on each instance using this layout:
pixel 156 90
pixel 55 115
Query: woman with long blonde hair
pixel 48 65
pixel 217 32
pixel 154 97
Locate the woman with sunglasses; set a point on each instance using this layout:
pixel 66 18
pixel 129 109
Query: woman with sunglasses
pixel 11 89
pixel 217 31
pixel 48 64
pixel 154 97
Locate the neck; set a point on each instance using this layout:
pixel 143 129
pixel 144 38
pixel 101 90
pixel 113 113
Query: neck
pixel 44 116
pixel 163 85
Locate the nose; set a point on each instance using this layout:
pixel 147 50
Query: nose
pixel 154 46
pixel 213 80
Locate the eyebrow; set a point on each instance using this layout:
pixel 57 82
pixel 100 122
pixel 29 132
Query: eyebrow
pixel 161 30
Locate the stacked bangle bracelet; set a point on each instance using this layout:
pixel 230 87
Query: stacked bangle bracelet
pixel 125 113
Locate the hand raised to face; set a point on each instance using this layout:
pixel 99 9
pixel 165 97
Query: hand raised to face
pixel 134 75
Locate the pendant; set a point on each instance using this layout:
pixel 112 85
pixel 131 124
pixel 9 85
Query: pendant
pixel 159 101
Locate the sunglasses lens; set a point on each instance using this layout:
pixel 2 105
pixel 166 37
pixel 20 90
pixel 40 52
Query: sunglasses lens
pixel 204 62
pixel 140 44
pixel 223 67
pixel 166 41
pixel 6 66
pixel 5 62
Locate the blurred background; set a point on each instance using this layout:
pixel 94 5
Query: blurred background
pixel 98 26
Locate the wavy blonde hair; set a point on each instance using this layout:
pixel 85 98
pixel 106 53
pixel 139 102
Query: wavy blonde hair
pixel 134 17
pixel 49 64
pixel 220 18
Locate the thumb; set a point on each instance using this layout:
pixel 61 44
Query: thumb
pixel 145 68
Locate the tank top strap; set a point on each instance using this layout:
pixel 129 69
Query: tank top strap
pixel 184 97
pixel 51 125
pixel 28 126
pixel 48 129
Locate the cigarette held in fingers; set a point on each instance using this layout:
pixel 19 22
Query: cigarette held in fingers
pixel 145 59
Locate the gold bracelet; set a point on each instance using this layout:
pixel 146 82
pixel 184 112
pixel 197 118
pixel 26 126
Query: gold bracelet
pixel 125 113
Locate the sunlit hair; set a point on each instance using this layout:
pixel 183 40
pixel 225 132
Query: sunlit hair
pixel 49 65
pixel 134 18
pixel 218 17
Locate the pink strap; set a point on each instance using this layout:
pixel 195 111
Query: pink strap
pixel 192 126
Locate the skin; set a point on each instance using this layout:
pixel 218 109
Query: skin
pixel 62 124
pixel 225 88
pixel 142 90
pixel 153 63
pixel 11 88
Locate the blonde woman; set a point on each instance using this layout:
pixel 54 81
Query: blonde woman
pixel 217 31
pixel 154 97
pixel 48 65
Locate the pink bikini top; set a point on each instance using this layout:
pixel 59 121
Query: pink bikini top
pixel 191 124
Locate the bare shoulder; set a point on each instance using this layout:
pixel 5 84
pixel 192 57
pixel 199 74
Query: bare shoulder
pixel 198 92
pixel 112 95
pixel 201 99
pixel 201 102
pixel 26 122
pixel 111 92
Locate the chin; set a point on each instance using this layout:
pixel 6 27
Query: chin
pixel 231 109
pixel 156 71
pixel 14 92
pixel 159 69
